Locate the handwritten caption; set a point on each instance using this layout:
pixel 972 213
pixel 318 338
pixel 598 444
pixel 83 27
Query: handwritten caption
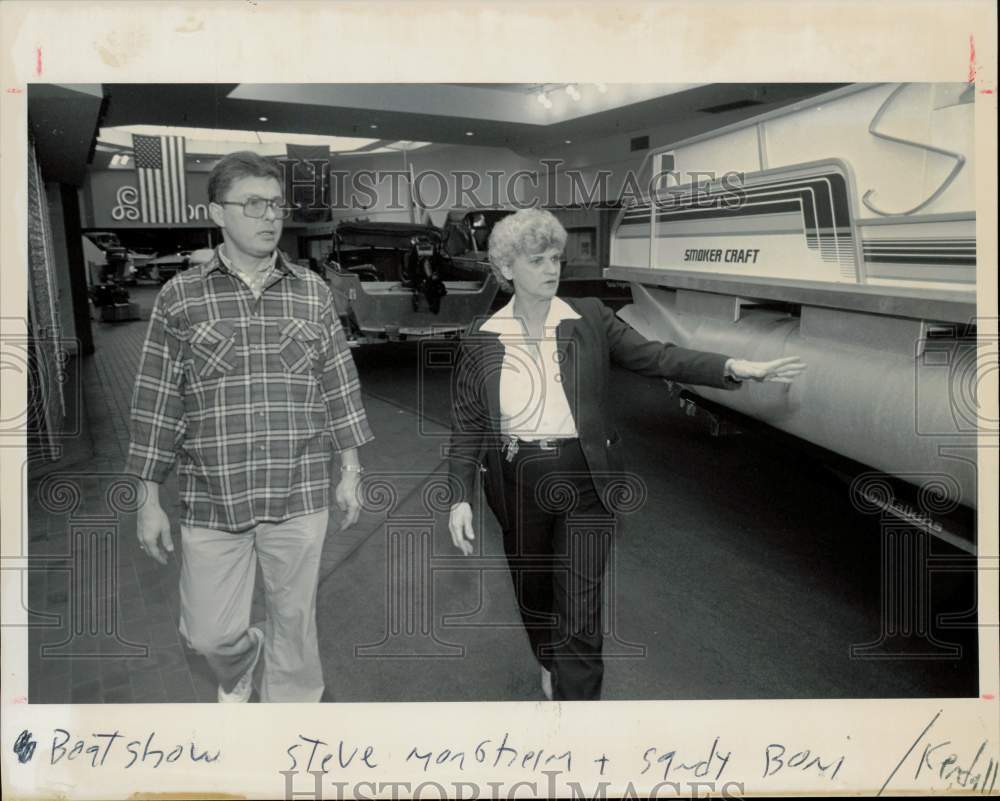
pixel 312 754
pixel 113 749
pixel 929 760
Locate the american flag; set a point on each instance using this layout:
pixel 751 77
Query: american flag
pixel 159 163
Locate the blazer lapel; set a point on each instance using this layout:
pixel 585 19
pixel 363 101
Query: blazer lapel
pixel 494 358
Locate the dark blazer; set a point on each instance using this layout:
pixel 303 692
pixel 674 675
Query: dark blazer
pixel 586 347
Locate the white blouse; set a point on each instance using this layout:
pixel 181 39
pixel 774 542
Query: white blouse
pixel 533 402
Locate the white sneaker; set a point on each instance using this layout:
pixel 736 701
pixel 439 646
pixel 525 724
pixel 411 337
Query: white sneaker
pixel 240 694
pixel 547 684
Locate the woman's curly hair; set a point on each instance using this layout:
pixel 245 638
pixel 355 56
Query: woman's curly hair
pixel 523 233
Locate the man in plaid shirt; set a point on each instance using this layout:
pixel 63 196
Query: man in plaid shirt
pixel 246 382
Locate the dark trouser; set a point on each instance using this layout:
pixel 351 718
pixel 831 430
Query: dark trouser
pixel 557 542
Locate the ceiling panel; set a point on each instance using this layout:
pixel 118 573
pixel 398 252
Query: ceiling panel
pixel 440 113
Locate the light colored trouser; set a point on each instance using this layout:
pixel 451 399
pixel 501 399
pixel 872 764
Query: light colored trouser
pixel 217 578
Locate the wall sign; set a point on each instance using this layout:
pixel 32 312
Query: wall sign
pixel 126 208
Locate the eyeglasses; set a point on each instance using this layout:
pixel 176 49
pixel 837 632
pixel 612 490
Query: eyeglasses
pixel 256 207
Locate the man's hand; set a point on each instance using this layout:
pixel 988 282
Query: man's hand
pixel 460 526
pixel 782 371
pixel 347 497
pixel 153 529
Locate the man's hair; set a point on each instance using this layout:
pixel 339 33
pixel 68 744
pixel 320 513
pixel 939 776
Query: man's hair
pixel 231 168
pixel 524 233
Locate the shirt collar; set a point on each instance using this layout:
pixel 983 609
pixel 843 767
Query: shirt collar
pixel 504 323
pixel 220 261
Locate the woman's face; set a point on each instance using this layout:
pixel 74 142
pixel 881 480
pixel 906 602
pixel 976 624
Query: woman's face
pixel 535 274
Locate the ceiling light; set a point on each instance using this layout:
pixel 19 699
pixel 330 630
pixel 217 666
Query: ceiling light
pixel 373 126
pixel 567 141
pixel 404 145
pixel 572 91
pixel 262 119
pixel 469 133
pixel 396 147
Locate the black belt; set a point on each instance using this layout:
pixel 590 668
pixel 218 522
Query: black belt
pixel 511 444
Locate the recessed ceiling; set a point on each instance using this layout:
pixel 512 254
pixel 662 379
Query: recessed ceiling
pixel 496 115
pixel 511 103
pixel 439 113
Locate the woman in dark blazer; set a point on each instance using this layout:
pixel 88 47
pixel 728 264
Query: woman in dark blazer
pixel 531 413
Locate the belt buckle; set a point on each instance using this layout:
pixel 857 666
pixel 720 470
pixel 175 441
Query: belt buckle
pixel 510 446
pixel 547 444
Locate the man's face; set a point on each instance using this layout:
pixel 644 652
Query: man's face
pixel 535 274
pixel 256 238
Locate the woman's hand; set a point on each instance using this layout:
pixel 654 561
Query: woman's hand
pixel 782 371
pixel 460 526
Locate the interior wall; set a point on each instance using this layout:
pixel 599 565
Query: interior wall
pixel 61 267
pixel 77 266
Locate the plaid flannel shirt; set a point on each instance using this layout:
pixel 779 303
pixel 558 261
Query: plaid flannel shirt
pixel 248 395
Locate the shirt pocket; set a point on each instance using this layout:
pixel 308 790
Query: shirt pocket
pixel 299 345
pixel 213 348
